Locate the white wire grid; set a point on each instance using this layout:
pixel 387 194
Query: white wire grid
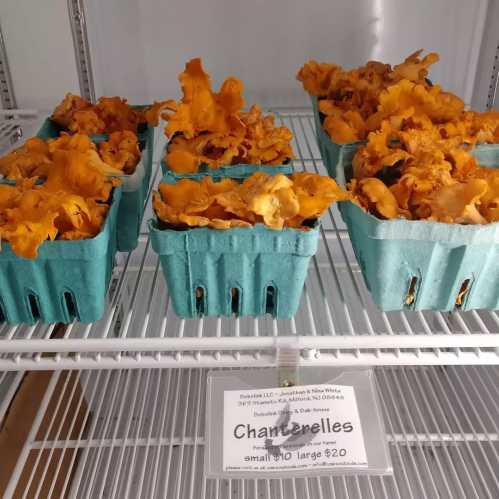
pixel 337 322
pixel 140 434
pixel 9 381
pixel 10 132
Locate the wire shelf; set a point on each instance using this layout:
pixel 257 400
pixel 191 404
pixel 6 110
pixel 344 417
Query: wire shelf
pixel 9 381
pixel 337 322
pixel 15 126
pixel 139 433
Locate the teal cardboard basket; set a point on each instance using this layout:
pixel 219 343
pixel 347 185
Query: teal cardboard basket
pixel 422 265
pixel 4 180
pixel 131 208
pixel 135 189
pixel 332 154
pixel 135 186
pixel 242 271
pixel 149 152
pixel 487 154
pixel 67 281
pixel 225 171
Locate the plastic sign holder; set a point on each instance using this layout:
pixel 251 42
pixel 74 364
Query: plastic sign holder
pixel 291 421
pixel 288 360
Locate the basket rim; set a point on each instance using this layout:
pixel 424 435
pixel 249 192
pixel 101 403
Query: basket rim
pixel 226 170
pixel 153 222
pixel 423 230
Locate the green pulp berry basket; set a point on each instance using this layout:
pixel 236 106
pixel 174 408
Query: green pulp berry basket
pixel 135 186
pixel 422 265
pixel 135 189
pixel 332 154
pixel 225 171
pixel 67 281
pixel 242 271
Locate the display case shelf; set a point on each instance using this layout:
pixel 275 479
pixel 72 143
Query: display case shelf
pixel 9 382
pixel 337 322
pixel 140 433
pixel 15 126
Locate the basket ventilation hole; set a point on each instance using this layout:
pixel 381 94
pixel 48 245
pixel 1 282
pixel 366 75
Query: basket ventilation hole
pixel 234 293
pixel 200 301
pixel 411 293
pixel 270 300
pixel 34 306
pixel 465 287
pixel 2 313
pixel 70 302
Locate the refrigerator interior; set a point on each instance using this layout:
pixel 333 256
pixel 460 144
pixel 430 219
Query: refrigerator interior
pixel 122 413
pixel 140 433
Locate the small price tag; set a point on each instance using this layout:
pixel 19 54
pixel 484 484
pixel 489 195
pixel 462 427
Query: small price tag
pixel 303 427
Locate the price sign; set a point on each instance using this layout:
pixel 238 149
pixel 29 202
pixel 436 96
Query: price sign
pixel 303 427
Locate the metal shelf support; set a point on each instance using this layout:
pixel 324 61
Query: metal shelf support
pixel 145 436
pixel 6 88
pixel 76 10
pixel 336 324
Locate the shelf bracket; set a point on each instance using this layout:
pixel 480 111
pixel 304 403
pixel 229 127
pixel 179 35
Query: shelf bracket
pixel 288 360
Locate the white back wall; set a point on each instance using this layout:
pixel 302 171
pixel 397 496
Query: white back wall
pixel 143 44
pixel 487 60
pixel 140 46
pixel 40 51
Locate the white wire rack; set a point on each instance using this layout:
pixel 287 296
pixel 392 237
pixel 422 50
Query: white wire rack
pixel 139 433
pixel 337 322
pixel 9 381
pixel 15 125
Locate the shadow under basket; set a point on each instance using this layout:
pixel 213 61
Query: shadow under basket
pixel 241 271
pixel 67 281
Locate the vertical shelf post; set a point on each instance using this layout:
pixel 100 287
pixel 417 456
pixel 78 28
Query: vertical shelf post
pixel 78 25
pixel 6 87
